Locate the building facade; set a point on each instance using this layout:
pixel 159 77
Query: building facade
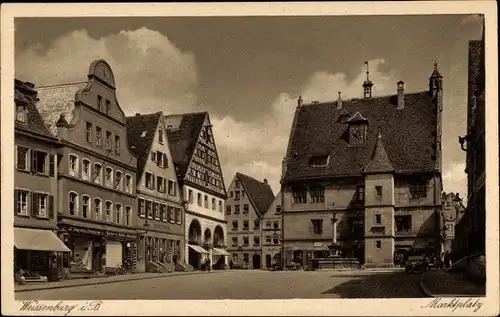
pixel 247 202
pixel 368 171
pixel 96 172
pixel 201 183
pixel 271 234
pixel 453 211
pixel 159 206
pixel 471 231
pixel 37 248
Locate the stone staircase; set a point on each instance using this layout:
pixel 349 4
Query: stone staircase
pixel 183 267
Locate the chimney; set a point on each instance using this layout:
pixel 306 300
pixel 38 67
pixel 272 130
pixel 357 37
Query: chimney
pixel 339 101
pixel 401 95
pixel 299 101
pixel 283 168
pixel 265 181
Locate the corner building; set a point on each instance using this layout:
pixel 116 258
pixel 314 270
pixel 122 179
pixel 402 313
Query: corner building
pixel 96 172
pixel 372 163
pixel 159 207
pixel 37 248
pixel 200 178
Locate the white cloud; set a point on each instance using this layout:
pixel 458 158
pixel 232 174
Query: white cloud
pixel 257 149
pixel 455 179
pixel 151 72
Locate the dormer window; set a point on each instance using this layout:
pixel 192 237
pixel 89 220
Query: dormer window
pixel 357 129
pixel 321 160
pixel 160 136
pixel 21 113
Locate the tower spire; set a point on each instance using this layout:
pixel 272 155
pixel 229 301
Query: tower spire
pixel 367 85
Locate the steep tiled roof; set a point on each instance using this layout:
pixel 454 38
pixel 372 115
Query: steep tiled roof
pixel 141 130
pixel 380 161
pixel 57 100
pixel 183 137
pixel 25 94
pixel 409 136
pixel 260 194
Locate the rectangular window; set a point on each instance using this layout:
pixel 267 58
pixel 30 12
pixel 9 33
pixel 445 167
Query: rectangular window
pixel 276 224
pixel 117 144
pixel 149 180
pixel 231 194
pixel 98 136
pixel 245 257
pixel 22 202
pixel 205 201
pixel 160 136
pixel 235 241
pixel 171 188
pixel 276 240
pixel 245 241
pixel 228 210
pixel 378 190
pixel 149 209
pixel 156 208
pixel 22 158
pixel 142 210
pixel 99 103
pixel 268 224
pixel 190 196
pixel 378 244
pixel 360 193
pixel 73 165
pixel 236 195
pixel 242 193
pixel 317 226
pixel 278 209
pixel 299 195
pixel 153 156
pixel 237 184
pixel 403 223
pixel 317 194
pixel 245 209
pixel 236 209
pixel 21 113
pixel 418 190
pixel 268 239
pixel 378 219
pixel 199 199
pixel 256 224
pixel 245 225
pixel 97 173
pixel 109 144
pixel 220 205
pixel 160 184
pixel 178 216
pixel 38 162
pixel 171 214
pixel 109 176
pixel 235 224
pixel 73 204
pixel 89 132
pixel 213 204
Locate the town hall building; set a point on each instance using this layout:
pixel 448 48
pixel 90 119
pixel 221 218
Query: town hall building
pixel 367 170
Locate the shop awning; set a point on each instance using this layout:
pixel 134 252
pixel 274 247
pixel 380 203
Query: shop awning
pixel 218 251
pixel 38 240
pixel 197 248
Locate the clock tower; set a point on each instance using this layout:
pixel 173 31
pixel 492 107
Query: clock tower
pixel 357 129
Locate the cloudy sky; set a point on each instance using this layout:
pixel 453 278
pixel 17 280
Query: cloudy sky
pixel 248 71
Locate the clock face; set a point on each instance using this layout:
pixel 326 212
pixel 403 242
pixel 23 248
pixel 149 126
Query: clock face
pixel 356 134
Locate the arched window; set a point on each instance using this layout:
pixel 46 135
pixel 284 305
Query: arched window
pixel 108 177
pixel 97 208
pixel 73 165
pixel 97 173
pixel 86 171
pixel 317 194
pixel 73 203
pixel 85 206
pixel 128 215
pixel 118 217
pixel 109 207
pixel 119 181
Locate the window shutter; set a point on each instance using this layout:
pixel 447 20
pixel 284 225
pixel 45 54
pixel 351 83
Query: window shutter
pixel 51 206
pixel 34 204
pixel 51 165
pixel 15 201
pixel 33 161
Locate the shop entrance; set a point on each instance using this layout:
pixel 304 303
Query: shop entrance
pixel 268 260
pixel 256 261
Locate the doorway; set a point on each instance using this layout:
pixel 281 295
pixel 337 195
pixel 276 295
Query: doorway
pixel 256 261
pixel 268 261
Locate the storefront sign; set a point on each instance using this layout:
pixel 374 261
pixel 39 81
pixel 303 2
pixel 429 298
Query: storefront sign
pixel 85 231
pixel 162 227
pixel 115 234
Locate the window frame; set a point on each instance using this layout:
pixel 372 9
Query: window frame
pixel 98 177
pixel 73 171
pixel 76 203
pixel 89 206
pixel 98 208
pixel 86 176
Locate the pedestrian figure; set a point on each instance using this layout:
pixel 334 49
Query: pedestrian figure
pixel 209 265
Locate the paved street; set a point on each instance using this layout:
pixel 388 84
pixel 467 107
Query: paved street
pixel 246 285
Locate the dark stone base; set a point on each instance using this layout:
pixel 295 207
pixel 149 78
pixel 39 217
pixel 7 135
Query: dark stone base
pixel 334 263
pixel 378 265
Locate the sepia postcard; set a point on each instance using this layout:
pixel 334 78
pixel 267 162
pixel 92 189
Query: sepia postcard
pixel 317 159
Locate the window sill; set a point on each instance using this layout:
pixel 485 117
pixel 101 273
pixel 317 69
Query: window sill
pixel 43 217
pixel 23 215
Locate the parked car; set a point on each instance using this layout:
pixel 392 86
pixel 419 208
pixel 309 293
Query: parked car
pixel 416 263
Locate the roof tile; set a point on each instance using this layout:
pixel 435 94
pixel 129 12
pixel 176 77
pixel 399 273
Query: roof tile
pixel 259 192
